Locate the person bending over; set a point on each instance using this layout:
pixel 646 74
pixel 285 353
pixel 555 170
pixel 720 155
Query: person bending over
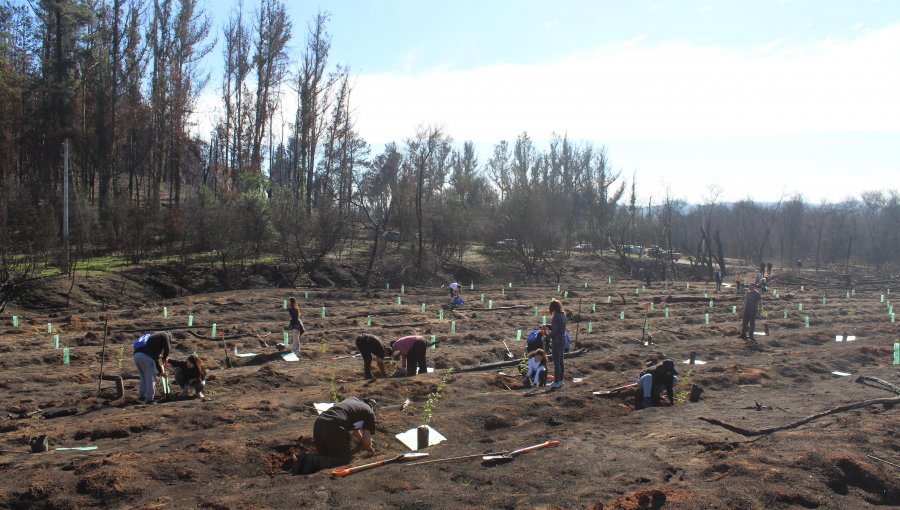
pixel 149 350
pixel 370 346
pixel 412 351
pixel 351 420
pixel 653 381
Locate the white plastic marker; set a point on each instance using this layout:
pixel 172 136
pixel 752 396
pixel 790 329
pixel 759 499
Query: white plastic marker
pixel 243 354
pixel 321 407
pixel 410 438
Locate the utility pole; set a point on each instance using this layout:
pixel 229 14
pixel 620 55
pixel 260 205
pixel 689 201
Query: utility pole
pixel 66 206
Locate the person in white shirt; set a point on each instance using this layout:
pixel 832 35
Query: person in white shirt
pixel 454 289
pixel 537 369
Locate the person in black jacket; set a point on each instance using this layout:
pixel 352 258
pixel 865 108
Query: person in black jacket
pixel 147 359
pixel 352 419
pixel 369 346
pixel 653 381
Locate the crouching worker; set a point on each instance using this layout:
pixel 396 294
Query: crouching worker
pixel 539 339
pixel 537 369
pixel 190 373
pixel 371 346
pixel 653 381
pixel 349 420
pixel 412 351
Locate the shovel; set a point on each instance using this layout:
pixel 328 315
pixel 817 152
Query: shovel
pixel 461 457
pixel 399 458
pixel 616 389
pixel 511 455
pixel 508 352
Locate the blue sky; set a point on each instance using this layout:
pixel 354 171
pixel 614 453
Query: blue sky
pixel 738 99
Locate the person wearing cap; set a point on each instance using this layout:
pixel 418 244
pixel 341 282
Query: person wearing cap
pixel 751 306
pixel 653 381
pixel 369 346
pixel 539 339
pixel 412 351
pixel 351 420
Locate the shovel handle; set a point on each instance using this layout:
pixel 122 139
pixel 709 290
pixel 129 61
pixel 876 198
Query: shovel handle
pixel 546 444
pixel 356 469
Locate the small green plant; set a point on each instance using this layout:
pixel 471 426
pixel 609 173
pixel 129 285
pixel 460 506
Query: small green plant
pixel 324 347
pixel 852 311
pixel 523 366
pixel 335 397
pixel 682 396
pixel 434 397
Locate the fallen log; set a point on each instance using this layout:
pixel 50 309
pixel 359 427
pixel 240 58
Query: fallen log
pixel 409 325
pixel 693 299
pixel 379 314
pixel 764 432
pixel 878 383
pixel 501 364
pixel 221 338
pixel 510 307
pixel 145 330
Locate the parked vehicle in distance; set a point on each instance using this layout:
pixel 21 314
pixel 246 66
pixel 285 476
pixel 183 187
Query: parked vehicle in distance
pixel 672 255
pixel 507 243
pixel 392 235
pixel 583 247
pixel 657 252
pixel 634 249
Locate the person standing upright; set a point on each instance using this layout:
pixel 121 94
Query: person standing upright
pixel 751 306
pixel 558 341
pixel 295 326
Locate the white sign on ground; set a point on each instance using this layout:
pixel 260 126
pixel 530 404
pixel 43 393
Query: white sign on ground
pixel 410 438
pixel 321 407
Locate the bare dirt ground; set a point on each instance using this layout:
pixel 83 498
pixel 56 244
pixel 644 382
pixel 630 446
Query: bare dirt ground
pixel 235 448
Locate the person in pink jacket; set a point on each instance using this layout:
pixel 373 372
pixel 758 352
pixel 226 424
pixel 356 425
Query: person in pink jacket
pixel 412 351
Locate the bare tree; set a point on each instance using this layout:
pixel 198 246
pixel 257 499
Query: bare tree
pixel 273 31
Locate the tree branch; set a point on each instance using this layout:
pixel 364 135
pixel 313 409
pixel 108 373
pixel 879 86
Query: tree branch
pixel 793 425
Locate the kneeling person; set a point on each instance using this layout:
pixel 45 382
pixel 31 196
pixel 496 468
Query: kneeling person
pixel 653 381
pixel 351 419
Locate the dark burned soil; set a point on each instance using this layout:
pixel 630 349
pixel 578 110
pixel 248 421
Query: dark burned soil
pixel 234 449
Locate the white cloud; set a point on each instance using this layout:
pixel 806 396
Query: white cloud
pixel 636 90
